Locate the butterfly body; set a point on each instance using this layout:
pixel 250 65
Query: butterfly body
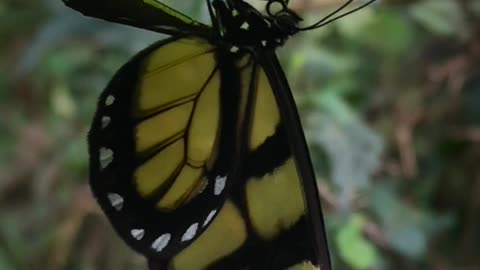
pixel 197 155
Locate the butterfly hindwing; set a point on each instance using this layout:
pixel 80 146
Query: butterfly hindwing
pixel 147 14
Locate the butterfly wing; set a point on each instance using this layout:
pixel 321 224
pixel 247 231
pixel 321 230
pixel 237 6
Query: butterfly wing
pixel 198 159
pixel 153 146
pixel 147 14
pixel 296 141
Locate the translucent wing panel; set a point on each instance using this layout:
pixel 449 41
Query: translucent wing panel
pixel 149 178
pixel 147 14
pixel 185 184
pixel 177 103
pixel 173 122
pixel 175 74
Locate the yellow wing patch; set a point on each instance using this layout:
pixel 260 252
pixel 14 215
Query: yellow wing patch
pixel 265 114
pixel 159 128
pixel 181 188
pixel 148 177
pixel 178 109
pixel 205 121
pixel 174 73
pixel 225 235
pixel 275 201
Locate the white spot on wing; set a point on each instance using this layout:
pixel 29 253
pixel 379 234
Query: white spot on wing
pixel 234 49
pixel 137 233
pixel 106 157
pixel 264 43
pixel 219 184
pixel 105 121
pixel 116 201
pixel 161 242
pixel 109 100
pixel 245 26
pixel 235 13
pixel 209 217
pixel 190 232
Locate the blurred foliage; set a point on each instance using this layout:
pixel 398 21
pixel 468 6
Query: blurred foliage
pixel 390 100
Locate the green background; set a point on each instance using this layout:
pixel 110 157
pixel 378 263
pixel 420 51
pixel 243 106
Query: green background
pixel 389 99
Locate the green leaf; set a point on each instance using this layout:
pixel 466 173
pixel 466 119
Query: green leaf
pixel 358 252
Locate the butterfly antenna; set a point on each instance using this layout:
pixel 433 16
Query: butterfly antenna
pixel 331 17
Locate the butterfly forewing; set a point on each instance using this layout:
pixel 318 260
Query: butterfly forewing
pixel 155 158
pixel 297 144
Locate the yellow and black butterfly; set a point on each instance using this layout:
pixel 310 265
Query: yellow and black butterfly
pixel 197 155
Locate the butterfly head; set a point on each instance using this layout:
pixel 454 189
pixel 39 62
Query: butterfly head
pixel 244 26
pixel 284 19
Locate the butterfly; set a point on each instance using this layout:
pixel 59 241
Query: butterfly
pixel 197 154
